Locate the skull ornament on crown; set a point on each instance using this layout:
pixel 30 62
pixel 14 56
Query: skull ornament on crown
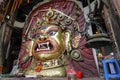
pixel 51 32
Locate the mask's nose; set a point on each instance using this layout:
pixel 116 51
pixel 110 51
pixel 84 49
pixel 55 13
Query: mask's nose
pixel 43 37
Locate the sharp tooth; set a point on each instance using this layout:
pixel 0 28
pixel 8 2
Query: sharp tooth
pixel 47 43
pixel 37 49
pixel 38 45
pixel 48 48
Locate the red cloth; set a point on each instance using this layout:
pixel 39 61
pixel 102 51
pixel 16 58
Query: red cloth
pixel 79 74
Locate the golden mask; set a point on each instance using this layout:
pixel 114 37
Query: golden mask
pixel 48 43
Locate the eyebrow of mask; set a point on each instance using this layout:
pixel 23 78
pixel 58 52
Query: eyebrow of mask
pixel 44 27
pixel 53 28
pixel 42 30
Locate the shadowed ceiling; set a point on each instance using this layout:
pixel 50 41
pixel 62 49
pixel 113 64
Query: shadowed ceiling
pixel 25 8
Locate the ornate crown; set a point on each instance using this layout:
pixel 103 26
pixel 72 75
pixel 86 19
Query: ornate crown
pixel 51 16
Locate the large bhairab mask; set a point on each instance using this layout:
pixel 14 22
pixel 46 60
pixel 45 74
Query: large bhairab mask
pixel 49 43
pixel 52 32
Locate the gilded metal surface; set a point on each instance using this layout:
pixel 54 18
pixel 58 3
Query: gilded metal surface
pixel 75 54
pixel 55 71
pixel 75 41
pixel 68 40
pixel 49 42
pixel 46 47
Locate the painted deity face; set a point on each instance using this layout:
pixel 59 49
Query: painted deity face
pixel 49 43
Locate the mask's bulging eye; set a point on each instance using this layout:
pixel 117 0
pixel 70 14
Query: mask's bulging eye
pixel 51 33
pixel 38 35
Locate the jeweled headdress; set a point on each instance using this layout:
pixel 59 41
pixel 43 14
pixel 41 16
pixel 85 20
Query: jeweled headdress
pixel 51 16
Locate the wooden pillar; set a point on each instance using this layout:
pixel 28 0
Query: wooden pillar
pixel 112 21
pixel 5 42
pixel 2 30
pixel 117 6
